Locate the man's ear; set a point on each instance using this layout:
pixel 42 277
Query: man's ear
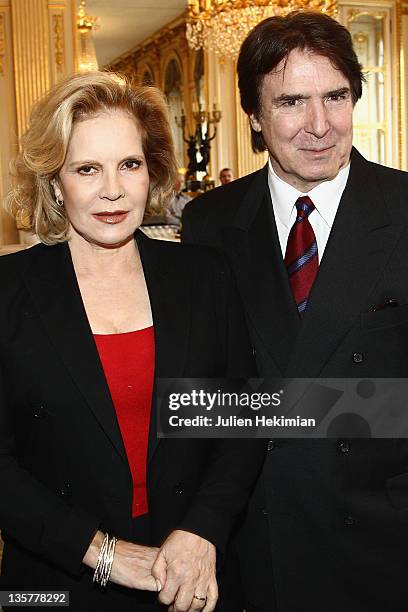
pixel 255 125
pixel 56 189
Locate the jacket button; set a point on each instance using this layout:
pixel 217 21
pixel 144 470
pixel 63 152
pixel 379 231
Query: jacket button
pixel 358 357
pixel 65 491
pixel 264 511
pixel 344 446
pixel 39 412
pixel 254 351
pixel 178 489
pixel 271 445
pixel 349 521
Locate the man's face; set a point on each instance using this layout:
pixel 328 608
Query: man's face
pixel 306 119
pixel 226 176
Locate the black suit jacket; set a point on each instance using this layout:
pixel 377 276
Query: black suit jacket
pixel 63 467
pixel 327 526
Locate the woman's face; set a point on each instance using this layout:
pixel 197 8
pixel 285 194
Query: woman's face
pixel 104 181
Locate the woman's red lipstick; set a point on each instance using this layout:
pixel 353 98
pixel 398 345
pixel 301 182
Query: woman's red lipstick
pixel 115 216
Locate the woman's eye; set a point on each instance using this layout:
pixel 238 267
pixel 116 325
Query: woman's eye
pixel 132 164
pixel 87 170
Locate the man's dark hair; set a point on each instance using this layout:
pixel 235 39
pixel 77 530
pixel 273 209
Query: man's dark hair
pixel 272 40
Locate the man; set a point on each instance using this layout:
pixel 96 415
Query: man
pixel 226 176
pixel 318 244
pixel 174 209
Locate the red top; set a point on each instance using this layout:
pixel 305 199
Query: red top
pixel 128 363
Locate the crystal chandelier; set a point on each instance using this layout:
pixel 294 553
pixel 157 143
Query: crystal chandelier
pixel 86 49
pixel 222 25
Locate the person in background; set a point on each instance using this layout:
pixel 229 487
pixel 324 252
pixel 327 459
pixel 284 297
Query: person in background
pixel 92 502
pixel 318 243
pixel 175 207
pixel 226 176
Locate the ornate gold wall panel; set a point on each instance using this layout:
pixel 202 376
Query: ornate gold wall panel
pixel 248 161
pixel 36 50
pixel 31 55
pixel 404 86
pixel 8 231
pixel 2 43
pixel 58 31
pixel 61 24
pixel 43 50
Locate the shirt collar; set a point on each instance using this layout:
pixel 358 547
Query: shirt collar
pixel 326 196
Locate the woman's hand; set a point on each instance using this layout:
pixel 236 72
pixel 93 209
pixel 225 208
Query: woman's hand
pixel 132 563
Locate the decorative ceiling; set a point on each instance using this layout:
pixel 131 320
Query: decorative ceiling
pixel 125 23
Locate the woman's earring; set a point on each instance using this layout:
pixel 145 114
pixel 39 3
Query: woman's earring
pixel 58 202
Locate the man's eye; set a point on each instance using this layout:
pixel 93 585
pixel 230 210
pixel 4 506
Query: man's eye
pixel 132 164
pixel 337 97
pixel 86 170
pixel 291 103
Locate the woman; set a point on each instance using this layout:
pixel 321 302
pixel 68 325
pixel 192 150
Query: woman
pixel 88 320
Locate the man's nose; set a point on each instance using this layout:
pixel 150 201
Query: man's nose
pixel 317 122
pixel 111 188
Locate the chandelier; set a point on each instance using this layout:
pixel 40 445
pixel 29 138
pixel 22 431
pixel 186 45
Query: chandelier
pixel 222 25
pixel 86 49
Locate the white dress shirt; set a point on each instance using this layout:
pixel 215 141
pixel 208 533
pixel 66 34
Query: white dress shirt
pixel 326 198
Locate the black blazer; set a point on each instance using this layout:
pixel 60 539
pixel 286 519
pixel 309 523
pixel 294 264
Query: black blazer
pixel 63 468
pixel 327 526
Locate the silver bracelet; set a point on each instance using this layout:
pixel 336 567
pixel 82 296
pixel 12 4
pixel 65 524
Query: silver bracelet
pixel 107 568
pixel 105 560
pixel 99 563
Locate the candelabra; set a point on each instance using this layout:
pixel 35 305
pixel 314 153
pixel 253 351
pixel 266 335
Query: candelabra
pixel 199 141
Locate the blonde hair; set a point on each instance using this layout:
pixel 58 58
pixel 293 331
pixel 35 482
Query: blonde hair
pixel 44 146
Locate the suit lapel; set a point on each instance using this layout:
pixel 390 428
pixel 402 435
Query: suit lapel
pixel 254 251
pixel 360 243
pixel 170 300
pixel 52 284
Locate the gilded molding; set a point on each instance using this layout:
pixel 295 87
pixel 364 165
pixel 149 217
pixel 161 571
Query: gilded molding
pixel 401 83
pixel 364 10
pixel 2 43
pixel 153 45
pixel 58 30
pixel 31 52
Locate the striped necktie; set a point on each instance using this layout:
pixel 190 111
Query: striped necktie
pixel 301 259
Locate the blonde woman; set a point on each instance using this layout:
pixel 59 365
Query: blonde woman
pixel 89 319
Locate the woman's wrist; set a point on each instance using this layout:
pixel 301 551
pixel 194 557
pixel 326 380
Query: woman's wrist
pixel 92 554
